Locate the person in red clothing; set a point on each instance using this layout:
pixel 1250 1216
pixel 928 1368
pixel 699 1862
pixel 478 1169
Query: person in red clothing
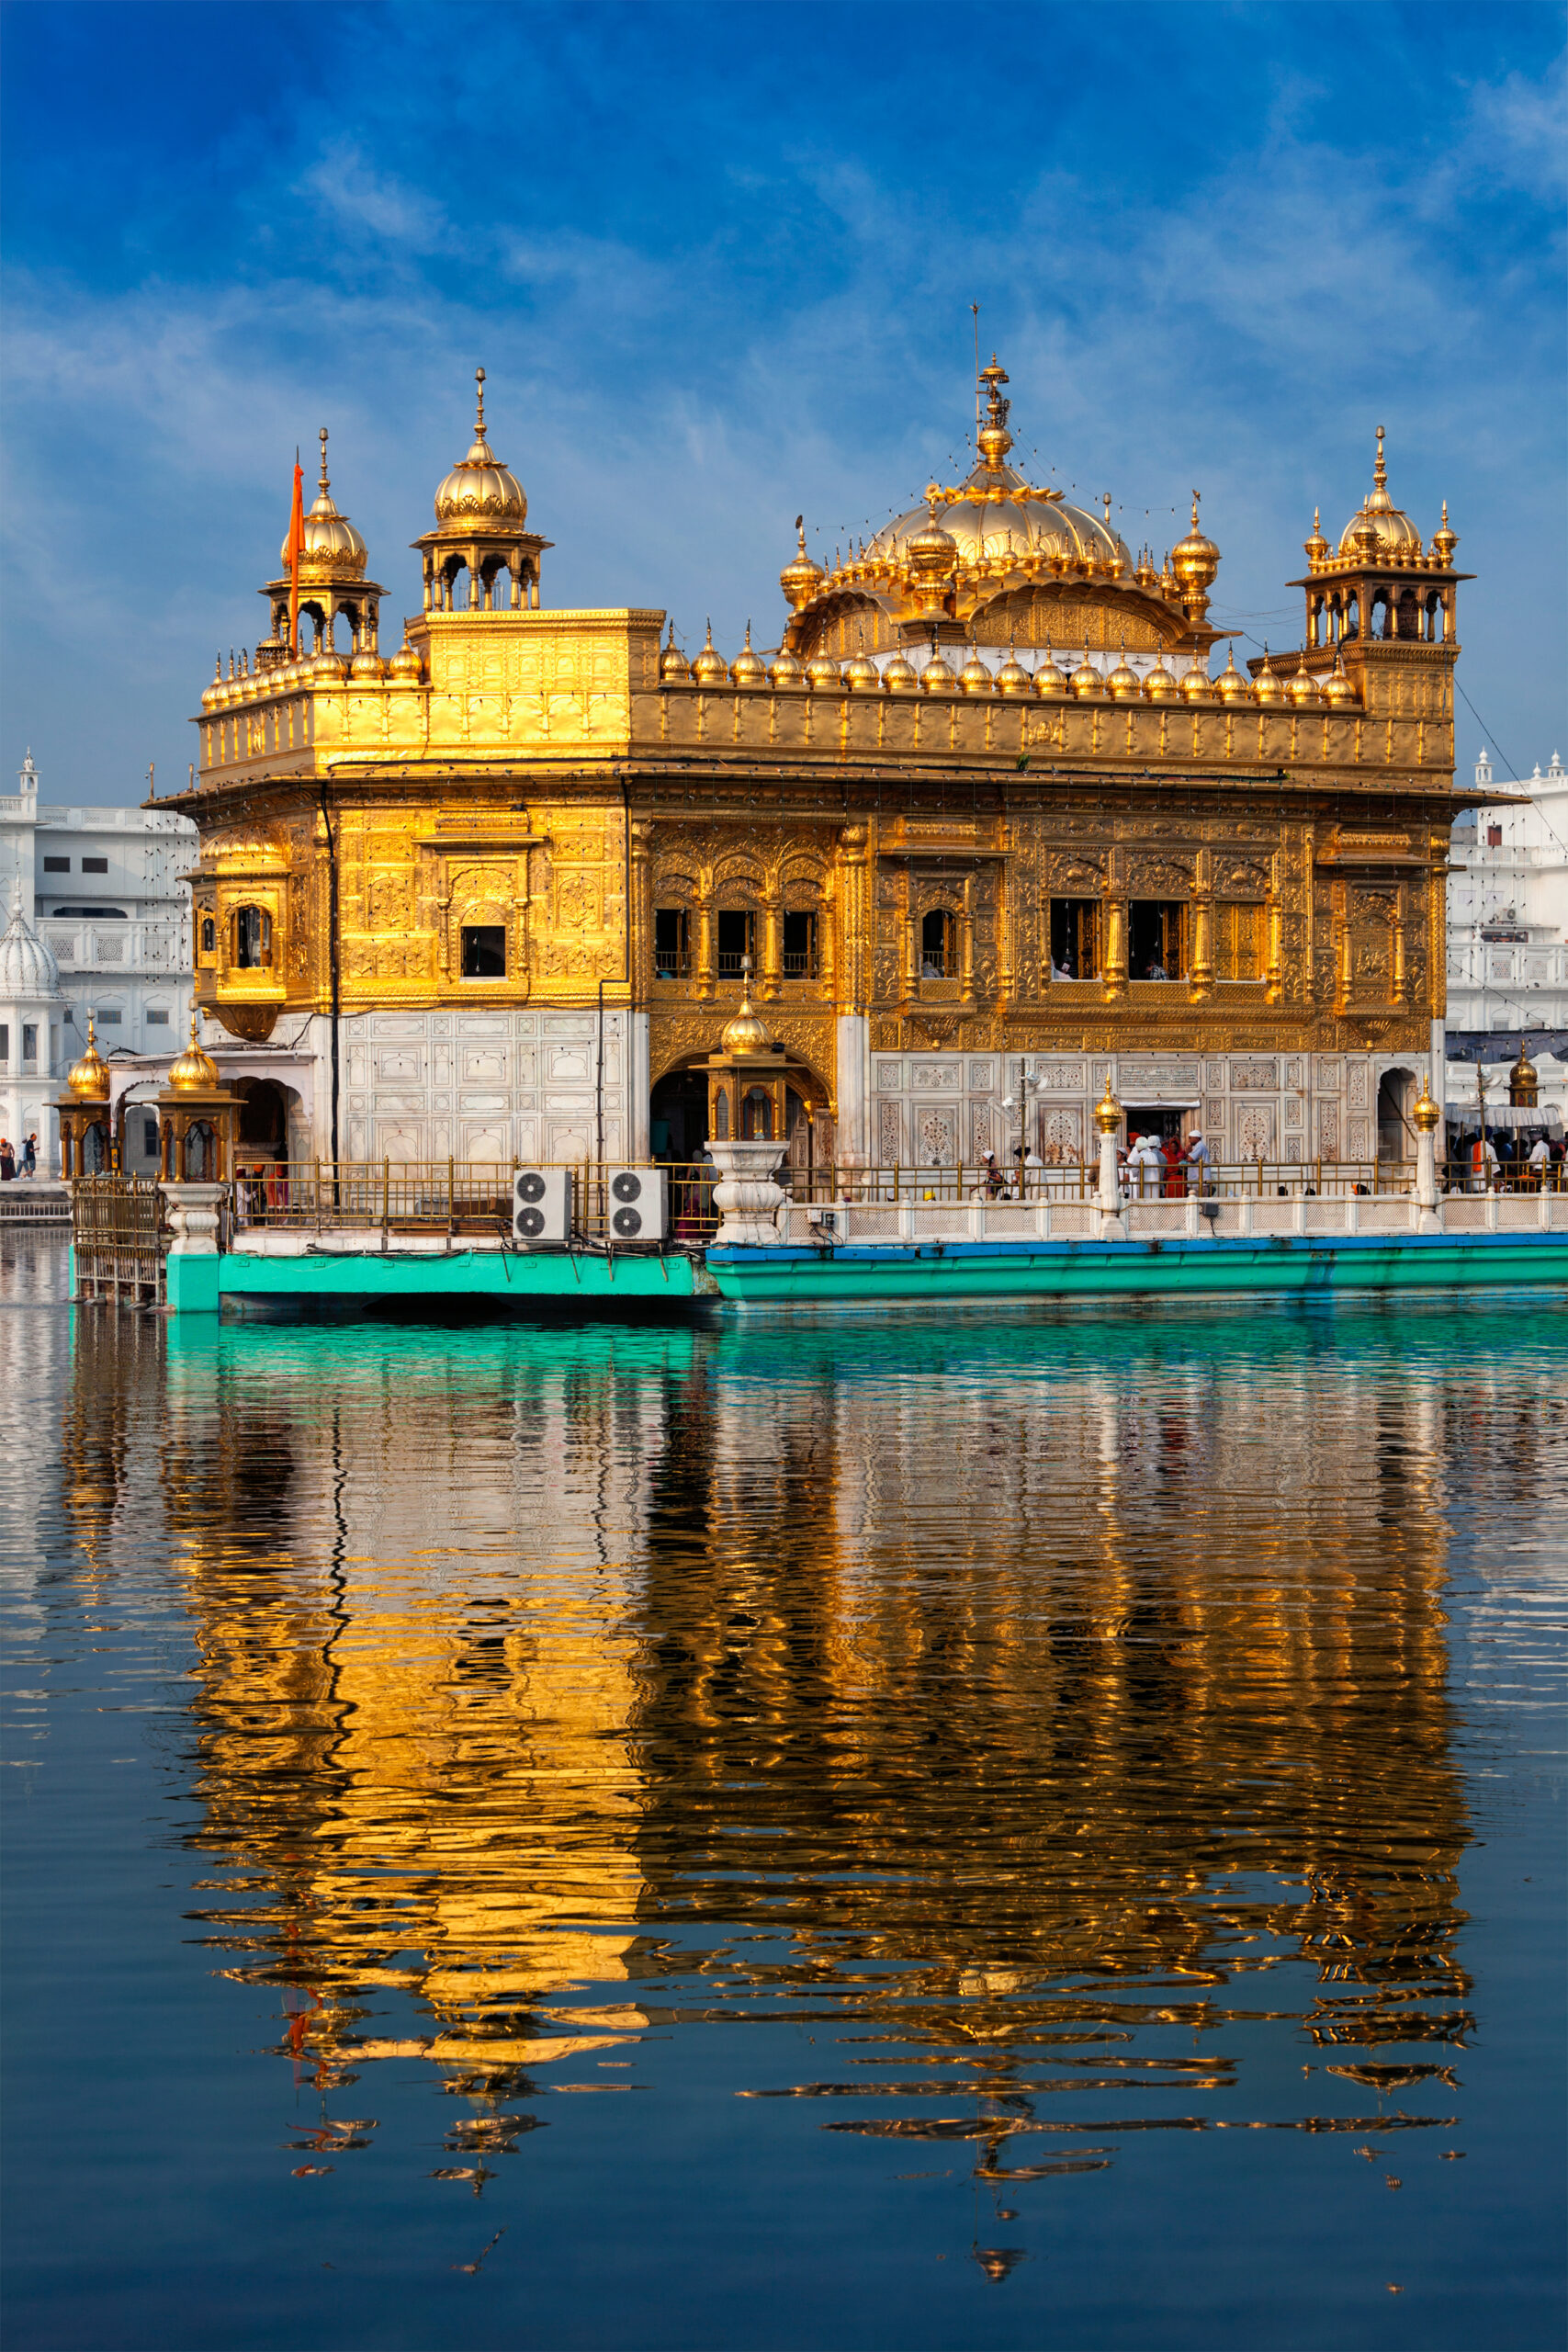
pixel 1171 1148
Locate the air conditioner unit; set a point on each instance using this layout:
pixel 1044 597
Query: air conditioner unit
pixel 636 1205
pixel 541 1205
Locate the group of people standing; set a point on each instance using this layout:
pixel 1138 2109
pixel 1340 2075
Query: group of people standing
pixel 1154 1168
pixel 14 1163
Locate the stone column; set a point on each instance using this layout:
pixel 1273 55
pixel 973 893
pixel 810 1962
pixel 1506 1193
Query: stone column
pixel 193 1213
pixel 1108 1119
pixel 855 1143
pixel 746 1193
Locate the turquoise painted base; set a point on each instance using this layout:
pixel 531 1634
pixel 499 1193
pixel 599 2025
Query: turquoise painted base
pixel 193 1283
pixel 559 1276
pixel 957 1272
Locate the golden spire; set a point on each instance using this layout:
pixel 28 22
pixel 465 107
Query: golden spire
pixel 193 1071
pixel 323 485
pixel 479 391
pixel 89 1078
pixel 1380 470
pixel 746 1032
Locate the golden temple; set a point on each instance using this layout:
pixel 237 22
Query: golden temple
pixel 987 810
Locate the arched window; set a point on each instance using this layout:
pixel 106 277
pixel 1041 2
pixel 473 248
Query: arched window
pixel 209 936
pixel 253 939
pixel 199 1154
pixel 721 1116
pixel 757 1115
pixel 939 944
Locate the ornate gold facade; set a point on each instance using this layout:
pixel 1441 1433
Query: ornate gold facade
pixel 528 810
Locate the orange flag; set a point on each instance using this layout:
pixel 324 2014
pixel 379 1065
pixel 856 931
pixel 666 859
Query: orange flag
pixel 293 549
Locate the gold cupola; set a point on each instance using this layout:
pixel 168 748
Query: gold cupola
pixel 1124 683
pixel 193 1071
pixel 1316 549
pixel 1524 1086
pixel 1231 685
pixel 1195 559
pixel 1378 527
pixel 88 1078
pixel 749 669
pixel 480 556
pixel 710 669
pixel 332 580
pixel 1268 686
pixel 1444 541
pixel 800 578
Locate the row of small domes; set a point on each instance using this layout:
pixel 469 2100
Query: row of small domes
pixel 245 685
pixel 824 674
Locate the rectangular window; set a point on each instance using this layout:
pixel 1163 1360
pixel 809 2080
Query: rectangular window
pixel 95 865
pixel 253 939
pixel 671 949
pixel 109 1020
pixel 939 944
pixel 800 946
pixel 56 866
pixel 1075 939
pixel 155 1018
pixel 484 951
pixel 30 1041
pixel 149 1138
pixel 1238 943
pixel 1156 939
pixel 737 937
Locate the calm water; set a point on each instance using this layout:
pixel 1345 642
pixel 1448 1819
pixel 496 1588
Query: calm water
pixel 989 1832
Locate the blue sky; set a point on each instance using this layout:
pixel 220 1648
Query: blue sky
pixel 717 263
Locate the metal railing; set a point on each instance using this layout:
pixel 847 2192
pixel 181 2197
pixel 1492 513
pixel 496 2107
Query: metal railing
pixel 119 1234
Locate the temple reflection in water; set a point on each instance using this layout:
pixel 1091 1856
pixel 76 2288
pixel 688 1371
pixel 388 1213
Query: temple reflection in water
pixel 1001 1684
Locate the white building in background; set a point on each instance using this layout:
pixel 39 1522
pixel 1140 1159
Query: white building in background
pixel 1507 912
pixel 103 896
pixel 1508 942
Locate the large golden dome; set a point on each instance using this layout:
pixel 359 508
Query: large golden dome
pixel 1393 533
pixel 480 488
pixel 331 543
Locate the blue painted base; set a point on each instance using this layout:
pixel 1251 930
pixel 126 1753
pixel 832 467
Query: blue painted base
pixel 193 1283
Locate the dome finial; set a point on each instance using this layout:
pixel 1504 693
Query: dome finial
pixel 1380 470
pixel 323 485
pixel 479 388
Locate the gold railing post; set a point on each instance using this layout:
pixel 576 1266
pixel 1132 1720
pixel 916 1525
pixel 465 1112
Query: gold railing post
pixel 386 1195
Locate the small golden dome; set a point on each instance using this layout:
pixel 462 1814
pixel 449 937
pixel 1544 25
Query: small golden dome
pixel 901 677
pixel 785 671
pixel 673 666
pixel 749 669
pixel 1303 692
pixel 1146 575
pixel 366 664
pixel 1268 686
pixel 823 674
pixel 801 578
pixel 1159 686
pixel 1444 541
pixel 862 675
pixel 1524 1091
pixel 710 668
pixel 1013 678
pixel 405 663
pixel 1124 683
pixel 1377 526
pixel 932 551
pixel 89 1078
pixel 1315 548
pixel 194 1071
pixel 1196 683
pixel 1233 687
pixel 331 543
pixel 1195 559
pixel 1337 690
pixel 975 677
pixel 1050 678
pixel 1087 682
pixel 1108 1111
pixel 480 488
pixel 1425 1112
pixel 213 694
pixel 746 1032
pixel 938 677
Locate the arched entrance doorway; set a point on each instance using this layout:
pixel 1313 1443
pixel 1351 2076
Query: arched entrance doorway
pixel 264 1119
pixel 678 1117
pixel 1396 1132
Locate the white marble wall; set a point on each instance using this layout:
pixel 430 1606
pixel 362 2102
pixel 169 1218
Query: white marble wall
pixel 1289 1107
pixel 482 1086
